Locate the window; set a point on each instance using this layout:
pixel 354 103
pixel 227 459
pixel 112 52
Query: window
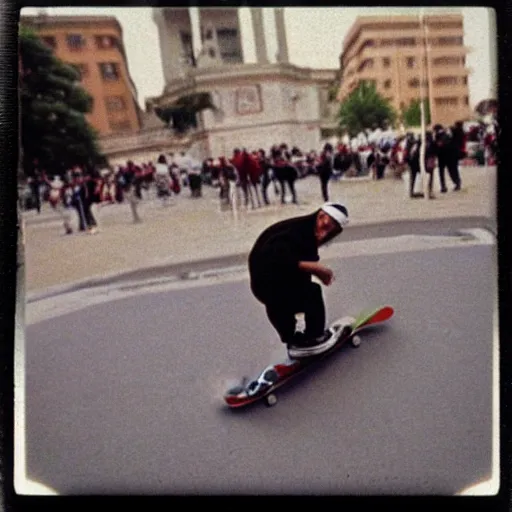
pixel 465 80
pixel 229 45
pixel 120 126
pixel 466 100
pixel 446 101
pixel 208 34
pixel 406 41
pixel 105 42
pixel 50 41
pixel 109 71
pixel 187 47
pixel 83 70
pixel 387 84
pixel 446 61
pixel 115 103
pixel 446 80
pixel 211 52
pixel 75 41
pixel 448 41
pixel 386 62
pixel 445 24
pixel 414 82
pixel 366 64
pixel 411 61
pixel 387 42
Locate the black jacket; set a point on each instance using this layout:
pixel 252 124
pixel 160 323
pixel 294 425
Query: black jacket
pixel 273 261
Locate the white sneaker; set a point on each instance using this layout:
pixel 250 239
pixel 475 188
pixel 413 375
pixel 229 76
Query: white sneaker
pixel 312 347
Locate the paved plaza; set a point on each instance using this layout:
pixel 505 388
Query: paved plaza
pixel 196 229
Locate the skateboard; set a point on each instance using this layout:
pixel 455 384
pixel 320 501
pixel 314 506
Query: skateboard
pixel 274 376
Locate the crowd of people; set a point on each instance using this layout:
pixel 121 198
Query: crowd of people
pixel 248 174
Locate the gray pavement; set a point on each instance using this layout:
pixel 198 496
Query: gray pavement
pixel 125 390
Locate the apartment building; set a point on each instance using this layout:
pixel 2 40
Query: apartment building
pixel 399 54
pixel 94 45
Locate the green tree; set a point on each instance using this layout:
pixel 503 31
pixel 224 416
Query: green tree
pixel 364 108
pixel 54 129
pixel 412 114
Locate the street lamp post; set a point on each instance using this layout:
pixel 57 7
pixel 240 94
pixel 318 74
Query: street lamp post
pixel 423 172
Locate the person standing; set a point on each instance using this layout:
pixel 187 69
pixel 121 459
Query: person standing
pixel 430 162
pixel 265 175
pixel 82 203
pixel 284 173
pixel 60 203
pixel 195 180
pixel 413 160
pixel 381 162
pixel 457 151
pixel 132 190
pixel 163 179
pixel 443 143
pixel 227 177
pixel 325 169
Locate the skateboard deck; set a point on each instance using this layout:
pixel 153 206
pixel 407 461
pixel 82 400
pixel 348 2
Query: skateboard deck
pixel 274 376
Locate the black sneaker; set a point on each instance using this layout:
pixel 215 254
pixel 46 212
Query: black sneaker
pixel 311 347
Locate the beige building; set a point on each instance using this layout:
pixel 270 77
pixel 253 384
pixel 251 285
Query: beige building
pixel 94 45
pixel 391 52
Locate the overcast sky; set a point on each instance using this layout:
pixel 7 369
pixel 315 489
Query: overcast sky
pixel 315 37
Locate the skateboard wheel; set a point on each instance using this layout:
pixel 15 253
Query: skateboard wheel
pixel 356 341
pixel 271 400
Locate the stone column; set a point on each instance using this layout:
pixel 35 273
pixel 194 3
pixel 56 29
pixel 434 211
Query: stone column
pixel 259 35
pixel 195 28
pixel 282 45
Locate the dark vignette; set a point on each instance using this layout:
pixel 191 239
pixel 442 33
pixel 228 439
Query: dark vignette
pixel 11 258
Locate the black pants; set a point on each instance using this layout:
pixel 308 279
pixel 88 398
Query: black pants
pixel 281 311
pixel 286 175
pixel 265 182
pixel 415 170
pixel 85 217
pixel 324 183
pixel 36 196
pixel 453 170
pixel 442 163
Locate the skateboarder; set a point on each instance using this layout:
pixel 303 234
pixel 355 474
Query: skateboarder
pixel 281 264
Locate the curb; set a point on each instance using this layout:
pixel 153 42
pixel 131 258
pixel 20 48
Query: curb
pixel 208 267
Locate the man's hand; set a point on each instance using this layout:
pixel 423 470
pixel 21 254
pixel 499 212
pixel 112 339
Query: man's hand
pixel 323 273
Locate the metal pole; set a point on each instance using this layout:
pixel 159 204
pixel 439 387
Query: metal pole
pixel 423 172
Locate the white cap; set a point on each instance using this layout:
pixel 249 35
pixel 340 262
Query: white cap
pixel 337 211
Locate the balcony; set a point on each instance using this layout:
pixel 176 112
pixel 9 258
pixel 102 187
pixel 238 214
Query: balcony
pixel 448 51
pixel 438 31
pixel 450 90
pixel 456 71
